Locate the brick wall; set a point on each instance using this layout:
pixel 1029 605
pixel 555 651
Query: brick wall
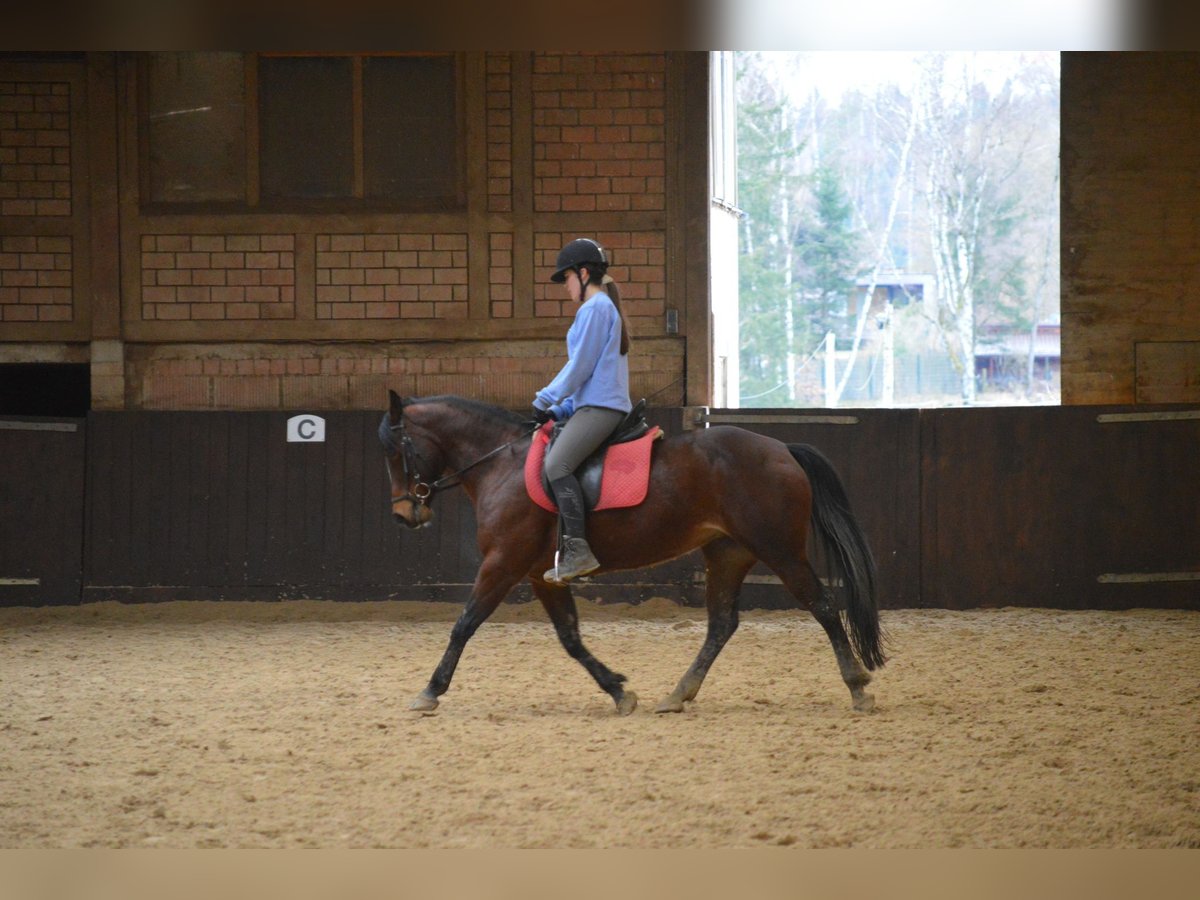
pixel 35 149
pixel 500 278
pixel 373 276
pixel 599 132
pixel 499 132
pixel 210 277
pixel 35 279
pixel 637 262
pixel 358 375
pixel 598 145
pixel 1130 228
pixel 221 309
pixel 391 276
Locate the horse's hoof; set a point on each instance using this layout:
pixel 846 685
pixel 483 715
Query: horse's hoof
pixel 864 703
pixel 670 704
pixel 627 703
pixel 423 703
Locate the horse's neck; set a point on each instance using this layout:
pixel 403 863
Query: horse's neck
pixel 462 435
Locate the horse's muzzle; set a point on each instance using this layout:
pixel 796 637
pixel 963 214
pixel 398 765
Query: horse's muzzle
pixel 411 514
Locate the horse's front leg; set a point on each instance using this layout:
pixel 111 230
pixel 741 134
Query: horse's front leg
pixel 492 584
pixel 560 606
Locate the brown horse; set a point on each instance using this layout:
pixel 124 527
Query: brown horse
pixel 739 497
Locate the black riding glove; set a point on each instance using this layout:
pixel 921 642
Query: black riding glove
pixel 542 416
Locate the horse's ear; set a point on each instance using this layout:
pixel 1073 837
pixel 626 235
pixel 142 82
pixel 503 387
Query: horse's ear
pixel 395 405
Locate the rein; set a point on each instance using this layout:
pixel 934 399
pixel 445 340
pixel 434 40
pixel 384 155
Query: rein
pixel 422 492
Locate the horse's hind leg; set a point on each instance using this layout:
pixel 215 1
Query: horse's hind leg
pixel 560 606
pixel 804 584
pixel 726 565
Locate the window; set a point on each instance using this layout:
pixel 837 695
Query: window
pixel 322 131
pixel 196 126
pixel 900 246
pixel 306 127
pixel 411 130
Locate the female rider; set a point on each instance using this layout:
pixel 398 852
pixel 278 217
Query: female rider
pixel 590 395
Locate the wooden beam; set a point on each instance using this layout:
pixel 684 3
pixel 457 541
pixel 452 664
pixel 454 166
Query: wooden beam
pixel 104 300
pixel 250 102
pixel 130 177
pixel 357 118
pixel 473 79
pixel 271 330
pixel 692 69
pixel 522 184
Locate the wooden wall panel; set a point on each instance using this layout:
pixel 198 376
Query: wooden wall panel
pixel 876 454
pixel 1073 508
pixel 1130 238
pixel 220 506
pixel 41 511
pixel 1168 371
pixel 1069 508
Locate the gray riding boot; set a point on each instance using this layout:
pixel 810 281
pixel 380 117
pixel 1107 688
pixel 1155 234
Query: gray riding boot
pixel 575 557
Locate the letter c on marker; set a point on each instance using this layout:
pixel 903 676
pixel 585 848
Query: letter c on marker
pixel 306 428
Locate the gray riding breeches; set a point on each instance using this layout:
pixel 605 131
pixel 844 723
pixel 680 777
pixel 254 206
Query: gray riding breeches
pixel 586 430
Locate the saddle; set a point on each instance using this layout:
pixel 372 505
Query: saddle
pixel 616 475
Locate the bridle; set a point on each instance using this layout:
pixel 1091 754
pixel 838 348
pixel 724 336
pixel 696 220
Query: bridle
pixel 421 492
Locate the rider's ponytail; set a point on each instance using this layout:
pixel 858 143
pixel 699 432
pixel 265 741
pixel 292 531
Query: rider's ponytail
pixel 614 294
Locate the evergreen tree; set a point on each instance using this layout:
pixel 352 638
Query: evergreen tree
pixel 828 251
pixel 765 182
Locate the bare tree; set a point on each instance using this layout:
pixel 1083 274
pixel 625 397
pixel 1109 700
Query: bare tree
pixel 971 145
pixel 881 254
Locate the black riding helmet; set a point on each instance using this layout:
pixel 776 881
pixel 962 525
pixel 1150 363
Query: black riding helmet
pixel 579 252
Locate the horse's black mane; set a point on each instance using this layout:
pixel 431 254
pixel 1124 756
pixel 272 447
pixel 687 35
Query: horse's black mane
pixel 484 412
pixel 477 408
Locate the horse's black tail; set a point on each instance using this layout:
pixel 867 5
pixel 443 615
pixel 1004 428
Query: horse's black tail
pixel 848 553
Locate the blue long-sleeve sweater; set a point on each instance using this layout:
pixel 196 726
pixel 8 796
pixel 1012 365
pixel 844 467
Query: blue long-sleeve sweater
pixel 596 374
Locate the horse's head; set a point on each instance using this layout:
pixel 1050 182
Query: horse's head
pixel 411 468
